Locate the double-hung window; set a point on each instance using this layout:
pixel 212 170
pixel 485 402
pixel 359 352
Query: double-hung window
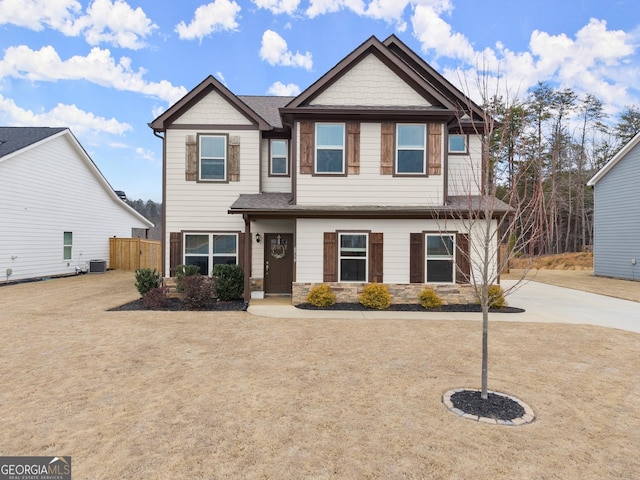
pixel 353 257
pixel 67 248
pixel 208 249
pixel 457 143
pixel 330 148
pixel 411 146
pixel 213 157
pixel 440 250
pixel 279 158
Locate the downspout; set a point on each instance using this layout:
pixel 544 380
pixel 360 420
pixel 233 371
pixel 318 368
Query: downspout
pixel 164 203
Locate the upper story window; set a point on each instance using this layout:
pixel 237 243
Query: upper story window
pixel 458 143
pixel 206 250
pixel 330 151
pixel 279 165
pixel 411 149
pixel 213 157
pixel 353 257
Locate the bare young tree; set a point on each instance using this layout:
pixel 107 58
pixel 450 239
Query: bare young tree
pixel 498 223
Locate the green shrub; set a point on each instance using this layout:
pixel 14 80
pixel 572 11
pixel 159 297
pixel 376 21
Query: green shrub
pixel 430 299
pixel 185 271
pixel 156 298
pixel 375 295
pixel 197 291
pixel 147 279
pixel 228 281
pixel 496 297
pixel 321 296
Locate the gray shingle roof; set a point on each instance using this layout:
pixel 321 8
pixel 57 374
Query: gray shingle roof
pixel 267 107
pixel 13 139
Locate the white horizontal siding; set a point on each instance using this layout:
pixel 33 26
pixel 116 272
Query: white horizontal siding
pixel 310 248
pixel 204 205
pixel 212 110
pixel 263 227
pixel 369 187
pixel 46 191
pixel 370 83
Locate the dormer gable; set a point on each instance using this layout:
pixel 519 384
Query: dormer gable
pixel 208 94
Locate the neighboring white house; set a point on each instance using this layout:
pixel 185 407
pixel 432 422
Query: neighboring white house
pixel 616 220
pixel 57 211
pixel 366 176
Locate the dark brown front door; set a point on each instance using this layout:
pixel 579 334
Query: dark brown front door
pixel 278 263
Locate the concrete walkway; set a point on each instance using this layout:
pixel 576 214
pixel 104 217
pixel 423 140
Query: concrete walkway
pixel 541 302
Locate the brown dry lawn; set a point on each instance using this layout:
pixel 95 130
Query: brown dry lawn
pixel 133 395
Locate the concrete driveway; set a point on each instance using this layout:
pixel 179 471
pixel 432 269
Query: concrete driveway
pixel 541 302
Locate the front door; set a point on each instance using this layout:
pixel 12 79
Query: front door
pixel 278 263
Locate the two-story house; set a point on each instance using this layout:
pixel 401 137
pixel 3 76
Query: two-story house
pixel 364 177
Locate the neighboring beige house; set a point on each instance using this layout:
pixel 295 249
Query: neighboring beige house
pixel 57 211
pixel 363 177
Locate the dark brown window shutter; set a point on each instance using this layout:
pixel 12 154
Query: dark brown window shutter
pixel 330 263
pixel 175 252
pixel 191 159
pixel 463 264
pixel 376 257
pixel 306 147
pixel 234 158
pixel 353 148
pixel 435 148
pixel 387 148
pixel 416 258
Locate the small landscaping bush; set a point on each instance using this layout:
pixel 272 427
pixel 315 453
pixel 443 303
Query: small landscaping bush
pixel 321 296
pixel 375 295
pixel 185 271
pixel 496 297
pixel 156 298
pixel 197 291
pixel 228 281
pixel 147 280
pixel 430 299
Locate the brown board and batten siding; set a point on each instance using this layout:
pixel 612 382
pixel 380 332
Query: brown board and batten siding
pixel 417 258
pixel 307 148
pixel 176 257
pixel 388 148
pixel 376 258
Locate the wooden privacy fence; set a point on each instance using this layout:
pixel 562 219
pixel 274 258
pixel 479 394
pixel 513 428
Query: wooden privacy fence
pixel 134 253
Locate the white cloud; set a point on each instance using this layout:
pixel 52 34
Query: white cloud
pixel 38 14
pixel 322 7
pixel 116 23
pixel 213 17
pixel 220 77
pixel 435 34
pixel 98 67
pixel 278 6
pixel 61 115
pixel 282 90
pixel 274 50
pixel 106 21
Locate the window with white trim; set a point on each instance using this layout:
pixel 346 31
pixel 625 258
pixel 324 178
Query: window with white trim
pixel 330 151
pixel 279 165
pixel 440 251
pixel 411 146
pixel 67 248
pixel 457 143
pixel 209 249
pixel 352 257
pixel 213 157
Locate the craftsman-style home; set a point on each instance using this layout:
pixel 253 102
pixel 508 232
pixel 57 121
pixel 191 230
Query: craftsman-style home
pixel 363 177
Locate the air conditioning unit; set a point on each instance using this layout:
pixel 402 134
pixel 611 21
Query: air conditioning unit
pixel 97 266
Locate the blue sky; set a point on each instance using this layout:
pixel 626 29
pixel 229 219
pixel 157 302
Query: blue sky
pixel 106 68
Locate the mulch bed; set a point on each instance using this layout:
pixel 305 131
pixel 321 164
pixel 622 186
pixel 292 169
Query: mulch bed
pixel 408 307
pixel 495 406
pixel 176 305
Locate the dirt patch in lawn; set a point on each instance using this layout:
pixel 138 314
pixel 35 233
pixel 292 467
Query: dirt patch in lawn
pixel 138 394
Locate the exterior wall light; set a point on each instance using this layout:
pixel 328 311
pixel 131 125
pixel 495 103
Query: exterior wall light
pixel 258 238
